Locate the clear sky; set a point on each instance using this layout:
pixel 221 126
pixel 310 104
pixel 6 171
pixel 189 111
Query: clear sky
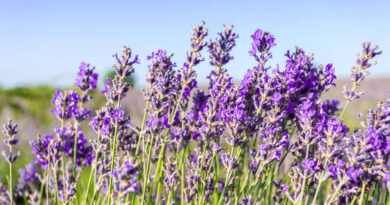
pixel 43 42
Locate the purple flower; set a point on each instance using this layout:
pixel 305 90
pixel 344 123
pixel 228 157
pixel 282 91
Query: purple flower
pixel 10 131
pixel 158 124
pixel 125 179
pixel 353 173
pixel 27 175
pixel 82 114
pixel 387 177
pixel 86 78
pixel 309 165
pixel 65 104
pixel 124 67
pixel 85 154
pixel 101 123
pixel 46 150
pixel 116 89
pixel 262 43
pixel 117 114
pixel 188 78
pixel 4 196
pixel 164 88
pixel 359 72
pixel 197 44
pixel 220 49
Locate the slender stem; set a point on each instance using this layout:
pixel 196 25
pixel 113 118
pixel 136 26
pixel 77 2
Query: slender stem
pixel 221 199
pixel 159 190
pixel 353 200
pixel 56 196
pixel 378 192
pixel 255 183
pixel 113 151
pixel 177 105
pixel 62 158
pixel 94 196
pixel 207 176
pixel 169 198
pixel 92 174
pixel 182 177
pixel 75 150
pixel 76 142
pixel 304 178
pixel 75 147
pixel 47 187
pixel 157 173
pixel 345 107
pixel 230 172
pixel 147 170
pixel 270 183
pixel 10 178
pixel 200 184
pixel 337 191
pixel 319 184
pixel 216 194
pixel 142 129
pixel 89 184
pixel 362 194
pixel 41 189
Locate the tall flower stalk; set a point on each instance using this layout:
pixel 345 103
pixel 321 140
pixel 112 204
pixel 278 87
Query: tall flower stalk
pixel 10 131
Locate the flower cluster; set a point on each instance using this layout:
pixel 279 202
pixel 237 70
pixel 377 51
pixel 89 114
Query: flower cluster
pixel 270 138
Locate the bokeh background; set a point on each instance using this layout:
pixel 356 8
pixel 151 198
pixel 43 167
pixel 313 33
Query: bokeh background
pixel 43 42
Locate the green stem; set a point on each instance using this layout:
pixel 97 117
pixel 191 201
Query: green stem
pixel 147 169
pixel 337 191
pixel 47 187
pixel 270 183
pixel 319 184
pixel 158 171
pixel 216 194
pixel 89 184
pixel 207 176
pixel 345 107
pixel 263 188
pixel 41 189
pixel 159 190
pixel 10 179
pixel 200 185
pixel 76 142
pixel 75 149
pixel 182 177
pixel 142 129
pixel 169 198
pixel 353 200
pixel 113 151
pixel 230 172
pixel 91 174
pixel 362 194
pixel 221 199
pixel 304 178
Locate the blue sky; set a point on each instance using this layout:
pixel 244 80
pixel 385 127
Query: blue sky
pixel 43 42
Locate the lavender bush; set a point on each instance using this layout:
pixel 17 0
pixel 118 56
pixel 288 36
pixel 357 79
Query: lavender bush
pixel 269 139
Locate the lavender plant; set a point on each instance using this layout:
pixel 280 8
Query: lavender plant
pixel 270 139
